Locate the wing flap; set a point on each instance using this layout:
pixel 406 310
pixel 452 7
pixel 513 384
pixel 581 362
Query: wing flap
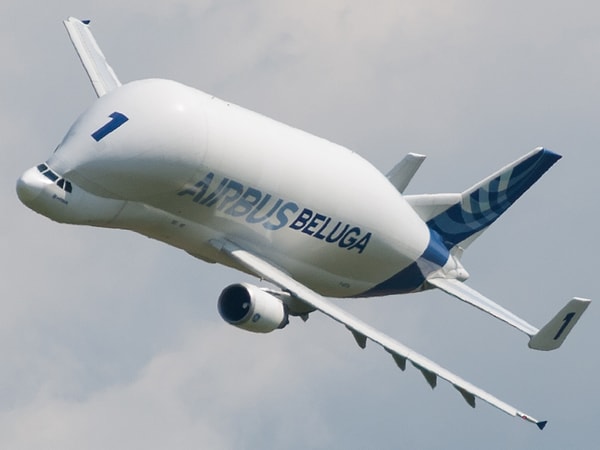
pixel 429 375
pixel 399 351
pixel 360 338
pixel 469 398
pixel 100 73
pixel 398 359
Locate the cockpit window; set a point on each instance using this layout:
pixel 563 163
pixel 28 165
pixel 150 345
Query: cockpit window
pixel 51 175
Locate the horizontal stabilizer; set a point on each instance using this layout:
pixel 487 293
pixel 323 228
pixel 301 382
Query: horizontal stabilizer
pixel 469 295
pixel 100 73
pixel 554 333
pixel 405 170
pixel 427 206
pixel 549 337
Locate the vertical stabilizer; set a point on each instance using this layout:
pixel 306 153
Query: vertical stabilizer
pixel 483 203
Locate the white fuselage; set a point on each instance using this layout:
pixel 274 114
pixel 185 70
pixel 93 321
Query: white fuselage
pixel 183 167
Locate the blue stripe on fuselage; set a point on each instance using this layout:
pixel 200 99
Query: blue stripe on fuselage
pixel 412 277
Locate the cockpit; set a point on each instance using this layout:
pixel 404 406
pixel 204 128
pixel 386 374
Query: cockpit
pixel 52 176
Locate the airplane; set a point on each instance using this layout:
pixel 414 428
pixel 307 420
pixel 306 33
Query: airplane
pixel 316 220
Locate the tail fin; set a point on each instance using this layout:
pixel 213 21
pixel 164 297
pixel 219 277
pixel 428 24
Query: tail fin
pixel 483 203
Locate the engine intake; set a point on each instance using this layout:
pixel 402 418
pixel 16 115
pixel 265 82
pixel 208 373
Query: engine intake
pixel 250 308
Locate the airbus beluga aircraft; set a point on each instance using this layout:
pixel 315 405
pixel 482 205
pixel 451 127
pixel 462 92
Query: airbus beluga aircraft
pixel 231 186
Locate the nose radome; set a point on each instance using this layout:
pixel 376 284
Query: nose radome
pixel 30 185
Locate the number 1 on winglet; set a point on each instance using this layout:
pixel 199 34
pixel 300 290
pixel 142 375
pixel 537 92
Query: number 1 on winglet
pixel 566 322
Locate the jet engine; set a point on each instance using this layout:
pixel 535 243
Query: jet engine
pixel 250 308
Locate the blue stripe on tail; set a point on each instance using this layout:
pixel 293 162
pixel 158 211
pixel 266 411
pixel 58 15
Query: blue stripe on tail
pixel 484 203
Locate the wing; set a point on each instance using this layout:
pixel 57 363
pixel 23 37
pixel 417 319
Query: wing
pixel 362 331
pixel 101 75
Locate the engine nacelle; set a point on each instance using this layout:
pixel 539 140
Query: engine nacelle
pixel 250 308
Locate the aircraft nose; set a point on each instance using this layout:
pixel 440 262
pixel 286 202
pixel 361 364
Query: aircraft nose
pixel 29 186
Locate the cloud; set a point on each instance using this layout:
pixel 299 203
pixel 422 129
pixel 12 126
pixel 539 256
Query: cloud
pixel 198 393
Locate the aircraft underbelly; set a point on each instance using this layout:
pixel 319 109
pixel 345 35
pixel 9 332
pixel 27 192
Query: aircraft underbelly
pixel 327 268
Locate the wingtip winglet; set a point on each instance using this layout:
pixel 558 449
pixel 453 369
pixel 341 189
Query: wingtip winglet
pixel 75 19
pixel 540 423
pixel 553 334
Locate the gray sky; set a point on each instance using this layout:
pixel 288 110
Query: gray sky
pixel 111 340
